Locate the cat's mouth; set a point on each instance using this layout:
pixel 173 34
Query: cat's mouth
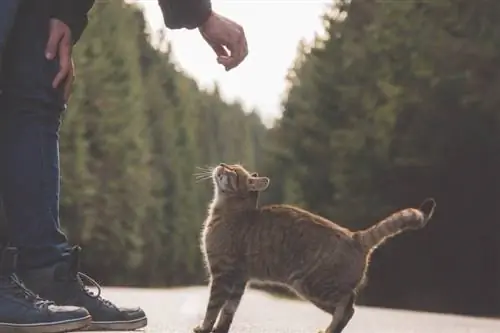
pixel 222 178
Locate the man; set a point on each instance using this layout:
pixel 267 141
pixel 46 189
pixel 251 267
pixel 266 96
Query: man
pixel 36 73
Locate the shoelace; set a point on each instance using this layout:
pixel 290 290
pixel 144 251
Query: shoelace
pixel 14 285
pixel 82 277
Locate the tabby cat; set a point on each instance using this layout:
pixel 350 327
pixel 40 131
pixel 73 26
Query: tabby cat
pixel 317 259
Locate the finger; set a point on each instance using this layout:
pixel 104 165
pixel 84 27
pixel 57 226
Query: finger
pixel 62 74
pixel 64 62
pixel 231 61
pixel 51 47
pixel 238 51
pixel 70 79
pixel 243 50
pixel 217 47
pixel 68 87
pixel 228 61
pixel 219 50
pixel 243 47
pixel 224 61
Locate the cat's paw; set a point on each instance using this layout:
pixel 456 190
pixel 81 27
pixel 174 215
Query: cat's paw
pixel 221 329
pixel 200 329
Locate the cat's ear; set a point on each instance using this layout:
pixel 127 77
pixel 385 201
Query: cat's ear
pixel 258 184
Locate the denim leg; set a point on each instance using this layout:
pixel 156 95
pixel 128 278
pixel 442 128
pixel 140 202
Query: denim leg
pixel 30 116
pixel 8 9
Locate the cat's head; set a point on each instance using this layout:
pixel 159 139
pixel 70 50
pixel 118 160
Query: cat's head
pixel 235 181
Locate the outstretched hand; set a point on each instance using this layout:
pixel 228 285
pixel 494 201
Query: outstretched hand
pixel 227 39
pixel 60 44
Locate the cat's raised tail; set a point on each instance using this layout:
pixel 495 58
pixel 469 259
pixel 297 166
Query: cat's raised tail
pixel 403 220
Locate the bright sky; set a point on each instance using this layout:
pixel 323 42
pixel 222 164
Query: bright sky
pixel 273 29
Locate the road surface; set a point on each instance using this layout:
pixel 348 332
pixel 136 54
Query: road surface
pixel 179 310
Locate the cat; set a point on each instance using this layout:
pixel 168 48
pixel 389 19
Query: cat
pixel 317 259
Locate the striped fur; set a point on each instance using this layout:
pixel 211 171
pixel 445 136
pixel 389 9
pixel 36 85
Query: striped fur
pixel 406 219
pixel 280 244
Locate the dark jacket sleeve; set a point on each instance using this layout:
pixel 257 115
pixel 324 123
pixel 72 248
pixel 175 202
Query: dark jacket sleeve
pixel 189 14
pixel 73 13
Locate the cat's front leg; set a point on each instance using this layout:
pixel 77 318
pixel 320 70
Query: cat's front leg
pixel 229 309
pixel 220 291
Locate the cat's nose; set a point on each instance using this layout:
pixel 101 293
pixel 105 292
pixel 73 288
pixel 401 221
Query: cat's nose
pixel 220 169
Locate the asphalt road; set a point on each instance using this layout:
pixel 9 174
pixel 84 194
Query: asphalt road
pixel 179 310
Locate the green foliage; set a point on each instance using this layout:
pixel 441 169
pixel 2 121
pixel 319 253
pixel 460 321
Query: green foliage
pixel 135 131
pixel 398 102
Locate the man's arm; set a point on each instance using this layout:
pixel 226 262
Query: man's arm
pixel 74 14
pixel 189 14
pixel 224 36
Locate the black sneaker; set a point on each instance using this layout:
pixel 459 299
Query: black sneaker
pixel 22 311
pixel 63 283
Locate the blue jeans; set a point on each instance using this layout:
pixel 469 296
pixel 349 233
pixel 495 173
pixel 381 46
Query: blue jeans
pixel 30 116
pixel 8 9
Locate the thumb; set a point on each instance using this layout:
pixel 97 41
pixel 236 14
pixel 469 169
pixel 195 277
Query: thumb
pixel 217 47
pixel 51 48
pixel 219 50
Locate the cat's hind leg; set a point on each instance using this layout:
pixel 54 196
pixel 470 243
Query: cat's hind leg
pixel 341 311
pixel 346 316
pixel 342 314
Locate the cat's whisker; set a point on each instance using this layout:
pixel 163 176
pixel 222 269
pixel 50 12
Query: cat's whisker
pixel 201 179
pixel 203 171
pixel 202 174
pixel 206 168
pixel 206 174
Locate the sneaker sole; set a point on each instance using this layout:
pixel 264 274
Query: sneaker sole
pixel 55 327
pixel 117 325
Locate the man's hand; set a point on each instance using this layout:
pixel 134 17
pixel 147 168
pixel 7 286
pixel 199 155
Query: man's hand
pixel 226 38
pixel 60 43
